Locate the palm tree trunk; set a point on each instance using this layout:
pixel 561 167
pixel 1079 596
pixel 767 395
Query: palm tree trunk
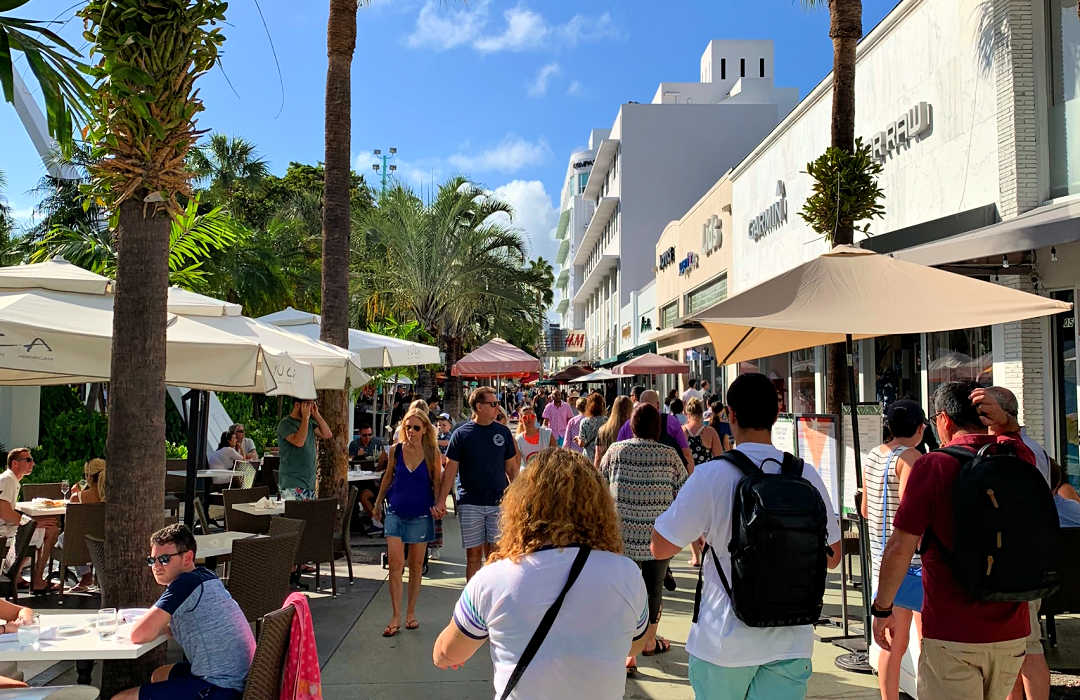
pixel 453 400
pixel 845 29
pixel 136 438
pixel 340 44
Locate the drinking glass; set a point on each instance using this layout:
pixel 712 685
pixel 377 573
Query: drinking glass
pixel 65 488
pixel 29 633
pixel 106 623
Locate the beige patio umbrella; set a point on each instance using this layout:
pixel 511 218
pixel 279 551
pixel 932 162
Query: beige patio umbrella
pixel 850 293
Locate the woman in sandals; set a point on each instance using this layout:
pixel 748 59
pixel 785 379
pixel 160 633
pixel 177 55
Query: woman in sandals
pixel 409 486
pixel 554 514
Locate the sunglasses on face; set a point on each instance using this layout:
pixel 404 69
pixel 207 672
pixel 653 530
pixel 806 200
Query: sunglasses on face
pixel 162 559
pixel 416 428
pixel 488 403
pixel 365 435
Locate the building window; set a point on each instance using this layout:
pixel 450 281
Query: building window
pixel 776 369
pixel 761 66
pixel 582 178
pixel 803 392
pixel 723 69
pixel 899 368
pixel 963 355
pixel 707 295
pixel 1064 27
pixel 742 67
pixel 668 314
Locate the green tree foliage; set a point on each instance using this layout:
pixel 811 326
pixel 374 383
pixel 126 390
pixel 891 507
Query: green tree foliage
pixel 222 163
pixel 845 190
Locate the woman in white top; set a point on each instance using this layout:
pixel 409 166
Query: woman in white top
pixel 549 513
pixel 531 437
pixel 885 475
pixel 227 453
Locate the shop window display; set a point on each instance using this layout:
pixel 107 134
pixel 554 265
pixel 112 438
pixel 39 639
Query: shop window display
pixel 899 368
pixel 803 390
pixel 960 355
pixel 1064 88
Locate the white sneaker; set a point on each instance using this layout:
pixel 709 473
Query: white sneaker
pixel 377 523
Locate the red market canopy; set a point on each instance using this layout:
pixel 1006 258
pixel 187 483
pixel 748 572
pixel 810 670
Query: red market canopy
pixel 496 358
pixel 651 363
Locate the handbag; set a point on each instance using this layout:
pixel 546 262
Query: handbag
pixel 545 623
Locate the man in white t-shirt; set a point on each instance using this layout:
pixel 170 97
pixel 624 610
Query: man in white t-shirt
pixel 19 464
pixel 728 659
pixel 692 392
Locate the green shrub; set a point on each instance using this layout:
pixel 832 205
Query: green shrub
pixel 51 470
pixel 75 435
pixel 175 451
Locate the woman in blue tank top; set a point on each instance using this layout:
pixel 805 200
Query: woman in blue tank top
pixel 408 489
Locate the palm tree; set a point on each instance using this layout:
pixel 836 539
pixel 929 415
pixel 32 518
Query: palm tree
pixel 142 126
pixel 451 264
pixel 7 221
pixel 222 163
pixel 55 65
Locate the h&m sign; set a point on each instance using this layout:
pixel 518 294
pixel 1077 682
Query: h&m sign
pixel 575 341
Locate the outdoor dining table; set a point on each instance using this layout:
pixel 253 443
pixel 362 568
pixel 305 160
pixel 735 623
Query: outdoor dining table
pixel 39 509
pixel 207 477
pixel 274 507
pixel 76 640
pixel 363 475
pixel 209 548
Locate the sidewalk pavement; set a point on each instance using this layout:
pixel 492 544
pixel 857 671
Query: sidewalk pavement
pixel 364 664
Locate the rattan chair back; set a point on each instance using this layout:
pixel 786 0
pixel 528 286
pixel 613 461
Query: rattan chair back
pixel 23 536
pixel 259 573
pixel 82 519
pixel 95 546
pixel 245 522
pixel 319 515
pixel 264 677
pixel 280 525
pixel 244 474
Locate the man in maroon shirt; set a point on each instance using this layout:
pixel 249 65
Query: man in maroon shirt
pixel 970 648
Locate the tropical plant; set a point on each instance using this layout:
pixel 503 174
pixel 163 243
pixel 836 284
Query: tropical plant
pixel 55 64
pixel 222 163
pixel 7 221
pixel 148 56
pixel 845 190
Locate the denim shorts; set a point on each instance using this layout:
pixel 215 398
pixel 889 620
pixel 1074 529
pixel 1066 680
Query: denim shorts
pixel 410 530
pixel 181 684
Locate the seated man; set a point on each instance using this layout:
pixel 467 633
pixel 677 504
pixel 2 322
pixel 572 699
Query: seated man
pixel 366 446
pixel 202 617
pixel 19 465
pixel 247 445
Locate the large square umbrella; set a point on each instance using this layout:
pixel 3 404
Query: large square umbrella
pixel 651 363
pixel 842 295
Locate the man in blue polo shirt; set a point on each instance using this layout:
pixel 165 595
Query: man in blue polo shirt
pixel 202 617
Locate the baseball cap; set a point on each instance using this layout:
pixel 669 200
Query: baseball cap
pixel 445 416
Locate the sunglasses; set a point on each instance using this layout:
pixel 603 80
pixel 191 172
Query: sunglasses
pixel 416 428
pixel 365 434
pixel 488 403
pixel 162 559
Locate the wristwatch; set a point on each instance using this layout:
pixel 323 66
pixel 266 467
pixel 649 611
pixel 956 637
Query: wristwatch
pixel 878 612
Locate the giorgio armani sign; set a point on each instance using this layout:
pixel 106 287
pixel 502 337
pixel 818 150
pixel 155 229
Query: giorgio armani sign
pixel 775 216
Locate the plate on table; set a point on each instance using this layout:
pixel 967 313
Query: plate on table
pixel 72 630
pixel 127 615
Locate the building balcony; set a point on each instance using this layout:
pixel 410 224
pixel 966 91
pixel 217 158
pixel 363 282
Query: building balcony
pixel 564 250
pixel 595 228
pixel 605 155
pixel 564 223
pixel 564 304
pixel 563 279
pixel 593 278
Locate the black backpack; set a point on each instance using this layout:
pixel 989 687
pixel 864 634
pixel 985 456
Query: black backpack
pixel 779 527
pixel 1007 529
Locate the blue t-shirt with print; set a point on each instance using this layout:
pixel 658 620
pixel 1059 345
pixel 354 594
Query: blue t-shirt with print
pixel 481 452
pixel 210 627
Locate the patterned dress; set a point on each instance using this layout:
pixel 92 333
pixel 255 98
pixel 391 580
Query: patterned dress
pixel 644 477
pixel 698 450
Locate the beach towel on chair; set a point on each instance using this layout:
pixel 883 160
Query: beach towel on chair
pixel 301 679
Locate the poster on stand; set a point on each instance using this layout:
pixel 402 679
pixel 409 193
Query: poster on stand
pixel 783 433
pixel 818 446
pixel 870 422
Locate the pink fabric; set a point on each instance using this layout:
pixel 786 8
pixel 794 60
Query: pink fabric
pixel 496 358
pixel 557 417
pixel 651 363
pixel 301 678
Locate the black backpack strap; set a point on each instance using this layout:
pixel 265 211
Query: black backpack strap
pixel 719 570
pixel 741 462
pixel 964 456
pixel 792 465
pixel 545 624
pixel 957 453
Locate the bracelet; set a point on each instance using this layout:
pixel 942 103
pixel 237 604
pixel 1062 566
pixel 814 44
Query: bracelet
pixel 880 612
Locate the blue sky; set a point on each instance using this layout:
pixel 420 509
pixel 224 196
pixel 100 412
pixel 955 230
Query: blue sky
pixel 498 91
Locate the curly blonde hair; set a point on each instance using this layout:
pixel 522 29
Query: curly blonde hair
pixel 559 500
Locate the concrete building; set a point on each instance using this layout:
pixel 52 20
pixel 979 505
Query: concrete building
pixel 655 161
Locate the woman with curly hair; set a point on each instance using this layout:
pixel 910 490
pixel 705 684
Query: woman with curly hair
pixel 408 486
pixel 551 511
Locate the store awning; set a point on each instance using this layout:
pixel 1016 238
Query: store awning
pixel 642 349
pixel 608 361
pixel 1052 224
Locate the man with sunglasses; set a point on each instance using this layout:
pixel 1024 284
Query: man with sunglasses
pixel 19 465
pixel 203 618
pixel 482 452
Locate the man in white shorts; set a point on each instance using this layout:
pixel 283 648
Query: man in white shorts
pixel 482 452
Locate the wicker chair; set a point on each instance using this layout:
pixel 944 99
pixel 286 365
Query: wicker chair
pixel 22 550
pixel 264 678
pixel 49 490
pixel 244 474
pixel 259 573
pixel 200 515
pixel 280 525
pixel 317 543
pixel 238 521
pixel 95 546
pixel 175 490
pixel 343 545
pixel 82 519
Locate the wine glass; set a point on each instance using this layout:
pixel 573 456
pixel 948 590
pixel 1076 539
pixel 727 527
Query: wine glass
pixel 65 488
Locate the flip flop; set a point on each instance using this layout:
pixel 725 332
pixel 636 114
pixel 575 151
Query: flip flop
pixel 662 646
pixel 391 630
pixel 412 624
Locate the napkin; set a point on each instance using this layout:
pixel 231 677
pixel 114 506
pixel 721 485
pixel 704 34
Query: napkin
pixel 126 615
pixel 264 503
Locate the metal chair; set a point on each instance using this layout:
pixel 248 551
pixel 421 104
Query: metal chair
pixel 259 573
pixel 82 519
pixel 239 521
pixel 343 545
pixel 280 525
pixel 47 490
pixel 264 677
pixel 317 543
pixel 200 515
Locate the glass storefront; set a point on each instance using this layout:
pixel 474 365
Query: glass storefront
pixel 898 361
pixel 962 355
pixel 1064 88
pixel 776 369
pixel 803 387
pixel 1066 371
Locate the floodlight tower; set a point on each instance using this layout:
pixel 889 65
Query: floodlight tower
pixel 386 167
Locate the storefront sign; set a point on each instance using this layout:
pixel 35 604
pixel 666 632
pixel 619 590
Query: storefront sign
pixel 912 124
pixel 666 258
pixel 582 164
pixel 690 262
pixel 646 324
pixel 772 218
pixel 712 235
pixel 575 341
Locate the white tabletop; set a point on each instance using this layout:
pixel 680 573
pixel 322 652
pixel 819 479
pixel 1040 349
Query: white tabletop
pixel 78 647
pixel 218 544
pixel 37 509
pixel 218 475
pixel 276 508
pixel 361 475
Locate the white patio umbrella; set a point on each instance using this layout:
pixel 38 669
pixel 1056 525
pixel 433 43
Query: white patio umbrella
pixel 375 350
pixel 600 375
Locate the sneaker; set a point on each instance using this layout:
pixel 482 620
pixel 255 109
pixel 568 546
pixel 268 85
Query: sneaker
pixel 377 523
pixel 433 552
pixel 669 581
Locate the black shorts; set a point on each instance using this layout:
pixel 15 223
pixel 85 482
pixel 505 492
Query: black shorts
pixel 183 685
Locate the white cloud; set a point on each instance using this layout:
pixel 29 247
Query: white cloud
pixel 534 214
pixel 448 30
pixel 512 154
pixel 539 86
pixel 575 88
pixel 441 26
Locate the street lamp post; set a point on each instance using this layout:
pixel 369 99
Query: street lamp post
pixel 385 167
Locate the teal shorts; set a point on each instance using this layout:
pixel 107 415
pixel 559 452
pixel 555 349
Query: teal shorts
pixel 778 680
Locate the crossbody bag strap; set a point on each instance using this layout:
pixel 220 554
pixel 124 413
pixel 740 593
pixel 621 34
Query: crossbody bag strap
pixel 545 624
pixel 700 578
